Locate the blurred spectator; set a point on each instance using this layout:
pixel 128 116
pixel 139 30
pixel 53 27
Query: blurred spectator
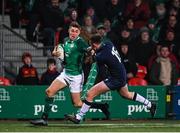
pixel 71 15
pixel 129 23
pixel 64 4
pixel 115 9
pixel 170 32
pixel 139 10
pixel 128 60
pixel 107 25
pixel 33 25
pixel 91 12
pixel 87 28
pixel 171 56
pixel 121 34
pixel 143 48
pixel 100 29
pixel 29 8
pixel 82 5
pixel 52 20
pixel 15 12
pixel 176 3
pixel 173 11
pixel 172 22
pixel 154 30
pixel 50 74
pixel 99 7
pixel 163 70
pixel 159 13
pixel 170 38
pixel 127 36
pixel 4 81
pixel 27 74
pixel 170 25
pixel 139 80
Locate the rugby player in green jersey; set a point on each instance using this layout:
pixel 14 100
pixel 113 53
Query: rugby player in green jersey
pixel 74 50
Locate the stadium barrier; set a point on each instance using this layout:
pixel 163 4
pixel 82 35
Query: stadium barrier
pixel 27 102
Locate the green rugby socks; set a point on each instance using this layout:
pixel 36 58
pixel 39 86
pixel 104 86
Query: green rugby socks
pixel 48 105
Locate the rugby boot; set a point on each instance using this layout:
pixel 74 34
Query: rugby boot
pixel 72 118
pixel 39 122
pixel 105 110
pixel 153 109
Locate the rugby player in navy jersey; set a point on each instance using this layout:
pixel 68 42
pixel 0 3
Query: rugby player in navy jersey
pixel 107 55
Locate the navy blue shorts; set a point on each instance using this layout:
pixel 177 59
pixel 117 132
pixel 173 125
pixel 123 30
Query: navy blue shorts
pixel 114 84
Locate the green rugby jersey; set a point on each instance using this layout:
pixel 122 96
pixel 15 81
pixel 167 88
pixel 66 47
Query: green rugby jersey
pixel 74 52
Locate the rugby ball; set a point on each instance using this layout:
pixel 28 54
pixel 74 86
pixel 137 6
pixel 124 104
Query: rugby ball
pixel 61 51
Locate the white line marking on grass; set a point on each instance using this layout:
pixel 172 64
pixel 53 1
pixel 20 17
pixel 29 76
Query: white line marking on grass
pixel 111 125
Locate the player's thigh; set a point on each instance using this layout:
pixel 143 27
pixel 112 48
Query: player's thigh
pixel 97 90
pixel 55 86
pixel 76 99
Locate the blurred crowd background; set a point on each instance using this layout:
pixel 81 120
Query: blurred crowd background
pixel 145 32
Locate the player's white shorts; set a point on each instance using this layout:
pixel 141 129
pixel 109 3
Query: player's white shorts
pixel 75 83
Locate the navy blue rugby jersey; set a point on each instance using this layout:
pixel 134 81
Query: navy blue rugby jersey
pixel 109 57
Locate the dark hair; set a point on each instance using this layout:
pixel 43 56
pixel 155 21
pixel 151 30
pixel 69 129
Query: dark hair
pixel 75 24
pixel 96 38
pixel 166 45
pixel 51 61
pixel 26 54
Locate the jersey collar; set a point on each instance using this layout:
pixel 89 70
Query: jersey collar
pixel 74 39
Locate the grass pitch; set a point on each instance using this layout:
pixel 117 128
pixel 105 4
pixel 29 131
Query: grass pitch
pixel 93 126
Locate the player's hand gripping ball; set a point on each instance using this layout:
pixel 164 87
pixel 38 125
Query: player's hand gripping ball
pixel 58 52
pixel 90 51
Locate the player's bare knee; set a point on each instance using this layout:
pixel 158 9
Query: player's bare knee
pixel 78 104
pixel 49 93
